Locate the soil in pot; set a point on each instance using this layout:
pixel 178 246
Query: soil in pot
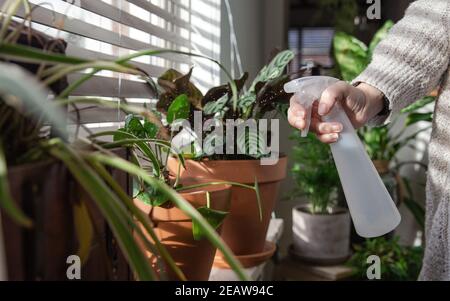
pixel 174 229
pixel 242 230
pixel 321 238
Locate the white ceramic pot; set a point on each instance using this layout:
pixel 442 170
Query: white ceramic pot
pixel 322 239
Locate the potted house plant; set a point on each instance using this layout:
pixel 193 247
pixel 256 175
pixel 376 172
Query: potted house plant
pixel 321 229
pixel 208 156
pixel 24 102
pixel 183 238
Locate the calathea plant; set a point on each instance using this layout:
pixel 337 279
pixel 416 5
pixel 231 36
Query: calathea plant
pixel 244 107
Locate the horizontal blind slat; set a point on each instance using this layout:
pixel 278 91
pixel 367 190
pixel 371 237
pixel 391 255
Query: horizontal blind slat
pixel 160 12
pixel 125 18
pixel 73 50
pixel 111 87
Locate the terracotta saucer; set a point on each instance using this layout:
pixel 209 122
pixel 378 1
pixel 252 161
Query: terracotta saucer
pixel 250 260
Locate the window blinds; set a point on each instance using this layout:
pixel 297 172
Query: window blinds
pixel 105 29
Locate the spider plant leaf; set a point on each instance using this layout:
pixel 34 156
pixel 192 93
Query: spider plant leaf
pixel 27 94
pixel 111 208
pixel 351 55
pixel 214 217
pixel 6 201
pixel 179 109
pixel 34 55
pixel 258 198
pixel 127 139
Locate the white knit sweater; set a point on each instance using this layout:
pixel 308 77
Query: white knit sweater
pixel 408 64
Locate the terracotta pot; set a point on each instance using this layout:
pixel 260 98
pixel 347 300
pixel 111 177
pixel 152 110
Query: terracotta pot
pixel 242 230
pixel 321 238
pixel 174 229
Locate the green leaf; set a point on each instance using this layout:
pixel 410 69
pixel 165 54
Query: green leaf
pixel 246 101
pixel 148 194
pixel 258 198
pixel 214 107
pixel 379 36
pixel 213 217
pixel 120 134
pixel 414 118
pixel 134 126
pixel 30 95
pixel 34 55
pixel 251 143
pixel 275 68
pixel 419 104
pixel 122 138
pixel 151 130
pixel 179 109
pixel 6 201
pixel 112 209
pixel 351 55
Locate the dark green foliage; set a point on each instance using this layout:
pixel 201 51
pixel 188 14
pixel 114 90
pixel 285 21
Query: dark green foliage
pixel 264 95
pixel 398 263
pixel 314 173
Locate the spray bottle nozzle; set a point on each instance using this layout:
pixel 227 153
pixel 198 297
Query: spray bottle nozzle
pixel 308 90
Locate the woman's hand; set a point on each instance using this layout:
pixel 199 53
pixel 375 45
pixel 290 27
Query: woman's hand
pixel 360 103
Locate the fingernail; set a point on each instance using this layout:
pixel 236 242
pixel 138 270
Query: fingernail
pixel 336 128
pixel 299 124
pixel 323 108
pixel 334 137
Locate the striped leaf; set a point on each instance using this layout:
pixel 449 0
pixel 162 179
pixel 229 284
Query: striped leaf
pixel 251 143
pixel 218 106
pixel 274 69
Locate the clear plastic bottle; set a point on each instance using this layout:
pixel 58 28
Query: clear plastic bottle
pixel 371 207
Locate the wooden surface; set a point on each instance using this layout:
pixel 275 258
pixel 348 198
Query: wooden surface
pixel 290 269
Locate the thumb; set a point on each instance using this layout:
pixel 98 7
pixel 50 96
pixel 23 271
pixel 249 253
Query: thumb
pixel 334 93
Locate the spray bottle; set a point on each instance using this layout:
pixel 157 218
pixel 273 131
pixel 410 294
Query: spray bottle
pixel 371 207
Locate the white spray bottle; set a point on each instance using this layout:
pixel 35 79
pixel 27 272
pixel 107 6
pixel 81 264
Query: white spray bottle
pixel 371 207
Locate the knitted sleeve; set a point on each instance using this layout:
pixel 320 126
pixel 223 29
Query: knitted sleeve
pixel 412 59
